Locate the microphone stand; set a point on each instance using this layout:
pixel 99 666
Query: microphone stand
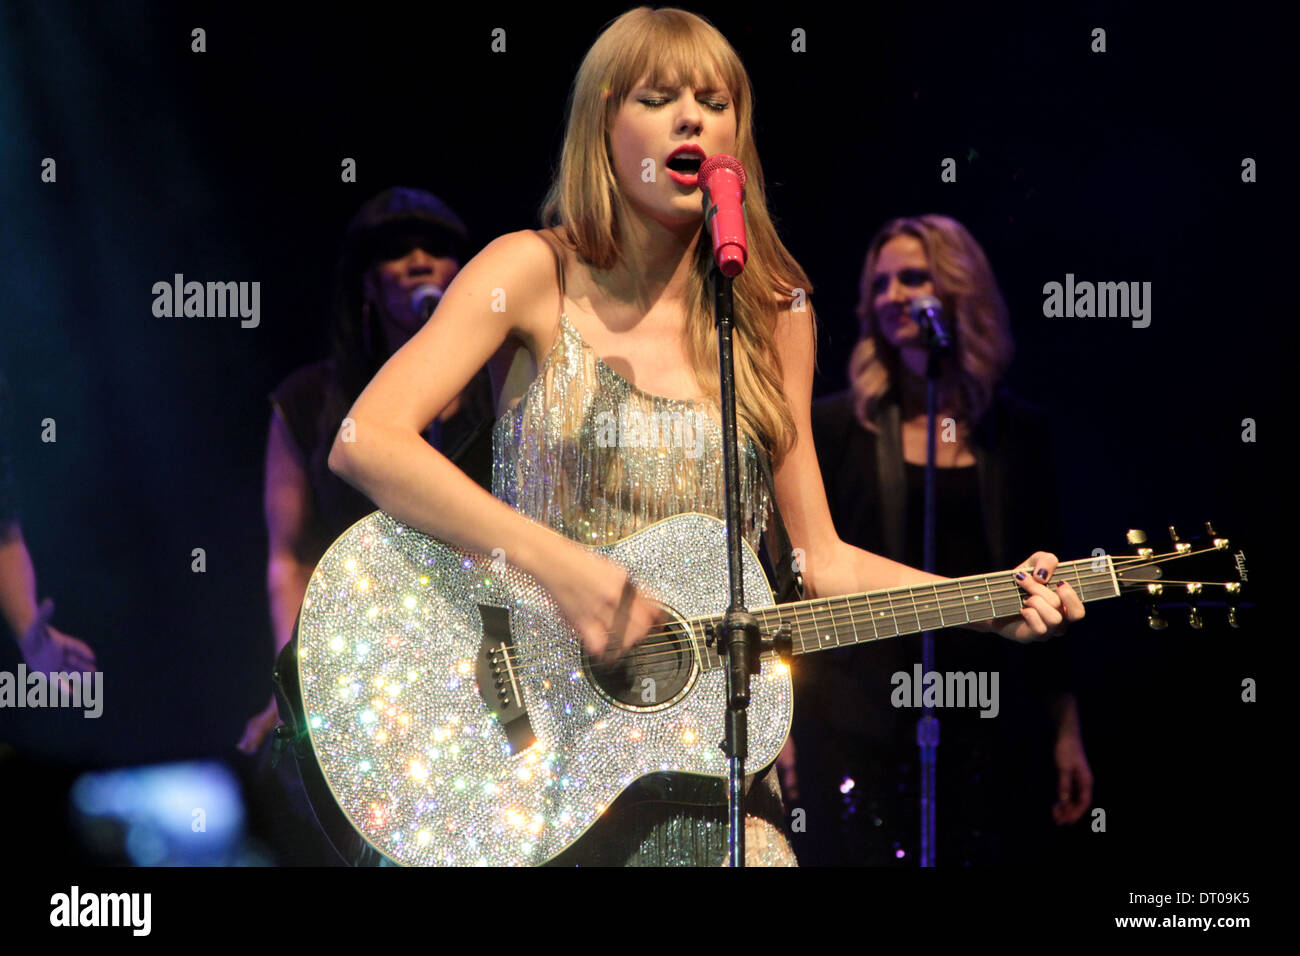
pixel 927 726
pixel 737 636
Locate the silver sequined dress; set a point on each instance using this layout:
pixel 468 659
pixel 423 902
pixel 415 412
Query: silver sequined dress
pixel 594 457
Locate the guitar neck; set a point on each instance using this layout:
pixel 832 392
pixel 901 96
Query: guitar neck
pixel 825 623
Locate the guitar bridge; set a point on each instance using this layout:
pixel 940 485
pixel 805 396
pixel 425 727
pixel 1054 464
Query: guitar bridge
pixel 498 678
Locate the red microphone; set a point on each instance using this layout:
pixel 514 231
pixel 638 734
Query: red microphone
pixel 722 179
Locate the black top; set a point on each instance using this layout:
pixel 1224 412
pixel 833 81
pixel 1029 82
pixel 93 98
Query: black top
pixel 313 407
pixel 962 548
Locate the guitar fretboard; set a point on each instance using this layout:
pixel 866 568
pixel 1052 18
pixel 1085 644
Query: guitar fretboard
pixel 825 623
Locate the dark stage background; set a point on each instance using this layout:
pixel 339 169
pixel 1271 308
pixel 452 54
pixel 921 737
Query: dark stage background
pixel 225 165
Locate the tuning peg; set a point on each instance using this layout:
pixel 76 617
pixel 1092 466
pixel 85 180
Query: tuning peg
pixel 1137 537
pixel 1194 589
pixel 1209 529
pixel 1233 620
pixel 1154 619
pixel 1181 546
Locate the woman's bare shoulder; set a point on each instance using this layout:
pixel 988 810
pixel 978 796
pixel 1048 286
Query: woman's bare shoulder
pixel 518 271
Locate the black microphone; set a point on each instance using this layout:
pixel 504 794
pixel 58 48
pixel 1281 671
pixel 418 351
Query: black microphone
pixel 927 312
pixel 425 299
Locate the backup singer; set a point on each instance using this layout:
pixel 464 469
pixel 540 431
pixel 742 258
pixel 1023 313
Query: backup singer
pixel 397 242
pixel 857 756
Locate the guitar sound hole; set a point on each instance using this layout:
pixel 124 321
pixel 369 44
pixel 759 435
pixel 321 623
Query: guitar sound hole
pixel 654 674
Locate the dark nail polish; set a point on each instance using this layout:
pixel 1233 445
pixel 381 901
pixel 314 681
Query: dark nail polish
pixel 1042 573
pixel 1020 575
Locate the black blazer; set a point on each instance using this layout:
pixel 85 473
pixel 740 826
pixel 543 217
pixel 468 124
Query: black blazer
pixel 867 488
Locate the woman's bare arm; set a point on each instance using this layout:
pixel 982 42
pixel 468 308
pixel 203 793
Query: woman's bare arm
pixel 286 504
pixel 492 299
pixel 17 579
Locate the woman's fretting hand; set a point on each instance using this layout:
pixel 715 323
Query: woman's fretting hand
pixel 1050 607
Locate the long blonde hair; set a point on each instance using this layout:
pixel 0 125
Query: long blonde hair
pixel 584 196
pixel 964 284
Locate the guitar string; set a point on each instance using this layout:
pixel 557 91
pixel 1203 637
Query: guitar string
pixel 851 615
pixel 664 652
pixel 798 609
pixel 801 612
pixel 669 649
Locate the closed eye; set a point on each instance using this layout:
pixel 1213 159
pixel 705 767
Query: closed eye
pixel 715 105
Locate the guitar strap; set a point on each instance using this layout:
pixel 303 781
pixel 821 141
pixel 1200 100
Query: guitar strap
pixel 789 579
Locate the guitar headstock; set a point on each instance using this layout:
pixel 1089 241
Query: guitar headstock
pixel 1210 573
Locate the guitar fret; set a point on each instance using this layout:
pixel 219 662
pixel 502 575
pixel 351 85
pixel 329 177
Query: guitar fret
pixel 1102 583
pixel 798 626
pixel 848 606
pixel 875 631
pixel 892 616
pixel 921 621
pixel 824 640
pixel 993 604
pixel 1013 602
pixel 916 608
pixel 1078 580
pixel 916 611
pixel 965 611
pixel 977 599
pixel 1063 572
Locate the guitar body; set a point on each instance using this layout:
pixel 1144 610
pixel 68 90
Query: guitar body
pixel 453 719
